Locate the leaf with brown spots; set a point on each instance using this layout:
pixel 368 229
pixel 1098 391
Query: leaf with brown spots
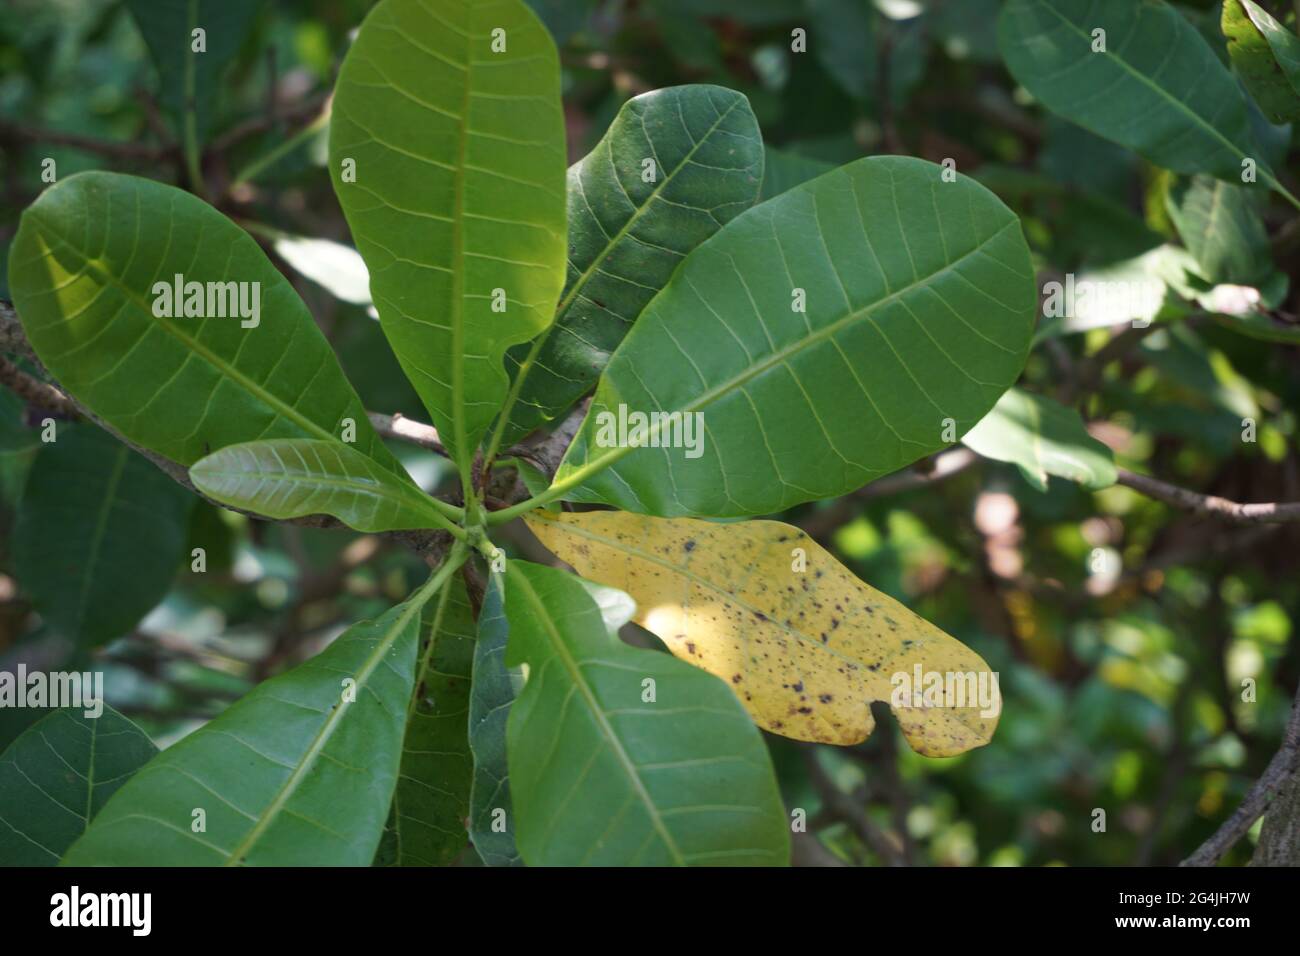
pixel 807 651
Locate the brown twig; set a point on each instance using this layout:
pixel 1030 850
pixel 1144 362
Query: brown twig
pixel 90 144
pixel 846 808
pixel 36 392
pixel 1284 763
pixel 1210 506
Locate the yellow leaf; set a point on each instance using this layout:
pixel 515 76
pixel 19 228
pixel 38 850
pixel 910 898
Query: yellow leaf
pixel 804 644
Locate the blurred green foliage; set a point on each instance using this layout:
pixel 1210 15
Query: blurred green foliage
pixel 1123 630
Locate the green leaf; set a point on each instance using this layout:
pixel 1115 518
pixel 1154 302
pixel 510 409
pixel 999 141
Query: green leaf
pixel 627 235
pixel 58 775
pixel 783 171
pixel 83 268
pixel 1042 437
pixel 1221 227
pixel 1266 55
pixel 431 800
pixel 100 535
pixel 920 303
pixel 491 817
pixel 291 478
pixel 1157 89
pixel 300 772
pixel 601 775
pixel 188 79
pixel 458 192
pixel 843 37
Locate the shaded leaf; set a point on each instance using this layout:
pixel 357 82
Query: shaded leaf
pixel 431 800
pixel 57 775
pixel 806 650
pixel 491 819
pixel 627 235
pixel 294 774
pixel 188 80
pixel 1266 55
pixel 457 193
pixel 1221 227
pixel 1042 437
pixel 83 268
pixel 100 535
pixel 920 302
pixel 291 478
pixel 600 774
pixel 1157 89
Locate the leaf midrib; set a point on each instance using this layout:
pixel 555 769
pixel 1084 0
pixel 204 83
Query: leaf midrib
pixel 561 651
pixel 774 359
pixel 236 856
pixel 400 497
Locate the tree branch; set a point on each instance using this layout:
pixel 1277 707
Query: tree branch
pixel 101 147
pixel 1210 506
pixel 1280 769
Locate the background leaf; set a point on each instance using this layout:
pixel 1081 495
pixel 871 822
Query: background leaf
pixel 920 306
pixel 291 775
pixel 600 775
pixel 187 81
pixel 82 268
pixel 626 235
pixel 1158 89
pixel 783 170
pixel 100 535
pixel 1042 437
pixel 459 154
pixel 1266 55
pixel 58 775
pixel 807 651
pixel 1221 227
pixel 292 478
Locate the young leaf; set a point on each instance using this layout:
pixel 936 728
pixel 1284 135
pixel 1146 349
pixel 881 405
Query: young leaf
pixel 1157 87
pixel 675 166
pixel 94 264
pixel 56 777
pixel 1042 437
pixel 1266 55
pixel 1221 227
pixel 188 74
pixel 626 756
pixel 805 644
pixel 447 155
pixel 291 478
pixel 300 772
pixel 826 337
pixel 100 535
pixel 491 816
pixel 431 800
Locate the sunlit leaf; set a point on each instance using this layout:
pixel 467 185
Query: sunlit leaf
pixel 804 643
